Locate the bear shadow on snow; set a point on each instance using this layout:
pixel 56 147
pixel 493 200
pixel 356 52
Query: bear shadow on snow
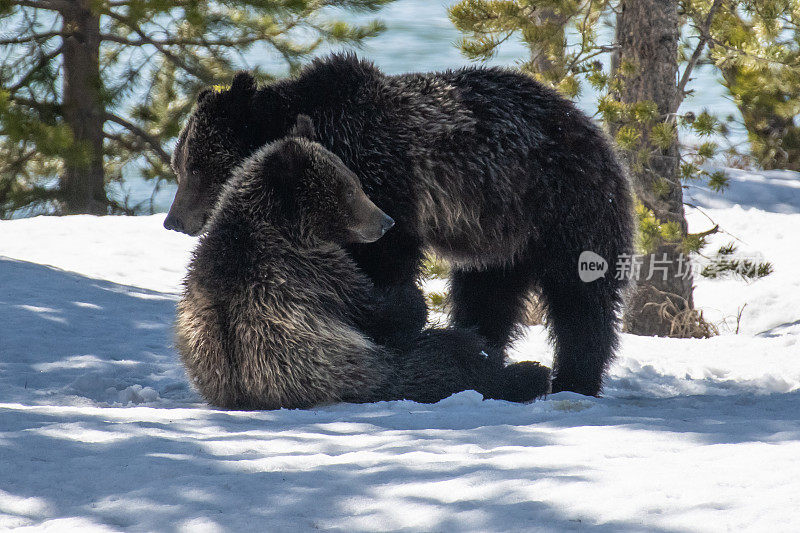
pixel 485 167
pixel 276 314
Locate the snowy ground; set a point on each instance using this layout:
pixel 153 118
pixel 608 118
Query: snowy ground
pixel 100 431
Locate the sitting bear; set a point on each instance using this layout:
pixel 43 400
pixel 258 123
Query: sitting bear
pixel 276 314
pixel 487 168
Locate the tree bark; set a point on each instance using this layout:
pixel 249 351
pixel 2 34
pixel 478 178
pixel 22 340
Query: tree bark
pixel 83 181
pixel 647 35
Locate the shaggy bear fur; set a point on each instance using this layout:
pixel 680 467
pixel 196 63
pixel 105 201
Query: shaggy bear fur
pixel 276 313
pixel 484 166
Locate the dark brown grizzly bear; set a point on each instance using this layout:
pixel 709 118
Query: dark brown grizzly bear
pixel 276 314
pixel 484 166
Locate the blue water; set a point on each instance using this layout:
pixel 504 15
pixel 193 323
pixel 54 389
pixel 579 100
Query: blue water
pixel 419 37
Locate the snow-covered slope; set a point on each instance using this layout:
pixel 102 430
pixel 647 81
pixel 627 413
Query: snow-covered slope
pixel 99 429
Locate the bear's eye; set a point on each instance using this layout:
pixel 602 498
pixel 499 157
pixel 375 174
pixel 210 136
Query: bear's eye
pixel 350 196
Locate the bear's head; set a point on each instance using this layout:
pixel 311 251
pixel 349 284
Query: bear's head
pixel 213 142
pixel 311 190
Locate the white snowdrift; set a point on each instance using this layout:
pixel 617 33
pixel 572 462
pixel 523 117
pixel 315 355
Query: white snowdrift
pixel 99 429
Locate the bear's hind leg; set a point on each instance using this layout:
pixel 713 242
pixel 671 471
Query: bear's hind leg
pixel 441 362
pixel 522 382
pixel 583 323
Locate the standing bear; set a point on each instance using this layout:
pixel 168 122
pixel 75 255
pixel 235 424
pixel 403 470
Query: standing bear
pixel 485 167
pixel 276 314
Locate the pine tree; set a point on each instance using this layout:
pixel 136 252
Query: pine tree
pixel 543 26
pixel 90 86
pixel 757 51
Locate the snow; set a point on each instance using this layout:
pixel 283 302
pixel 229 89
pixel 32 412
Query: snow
pixel 99 430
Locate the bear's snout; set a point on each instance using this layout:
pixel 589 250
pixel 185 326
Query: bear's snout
pixel 387 224
pixel 372 227
pixel 173 223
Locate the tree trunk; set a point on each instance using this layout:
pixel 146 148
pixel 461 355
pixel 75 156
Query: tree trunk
pixel 83 182
pixel 647 35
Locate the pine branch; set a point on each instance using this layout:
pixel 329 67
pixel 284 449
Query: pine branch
pixel 182 42
pixel 755 57
pixel 203 75
pixel 701 44
pixel 706 233
pixel 47 107
pixel 18 162
pixel 51 5
pixel 43 60
pixel 152 141
pixel 36 37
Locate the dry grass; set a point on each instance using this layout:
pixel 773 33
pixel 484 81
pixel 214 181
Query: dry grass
pixel 684 322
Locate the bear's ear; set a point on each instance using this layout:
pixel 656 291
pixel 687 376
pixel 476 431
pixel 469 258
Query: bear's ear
pixel 304 127
pixel 203 96
pixel 292 162
pixel 243 83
